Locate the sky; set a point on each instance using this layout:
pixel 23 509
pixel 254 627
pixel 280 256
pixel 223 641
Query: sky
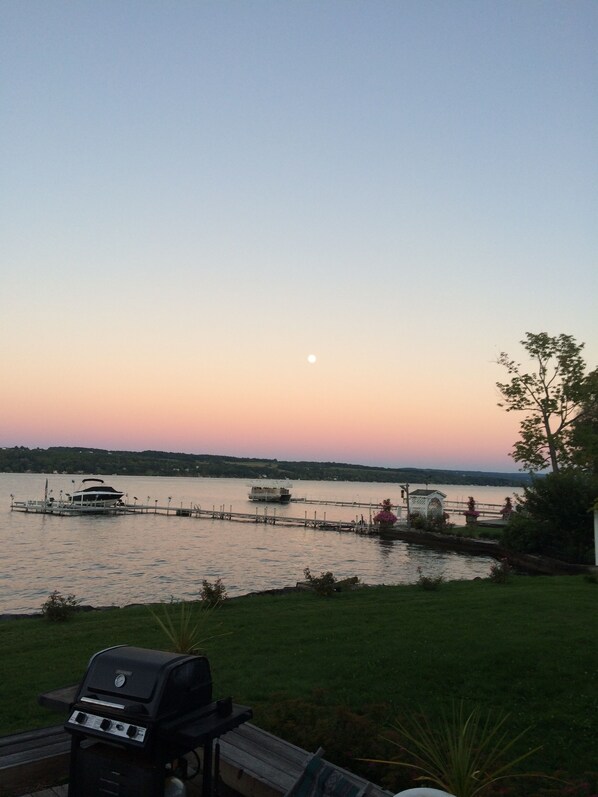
pixel 196 196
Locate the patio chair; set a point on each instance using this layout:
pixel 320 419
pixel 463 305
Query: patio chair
pixel 423 791
pixel 321 779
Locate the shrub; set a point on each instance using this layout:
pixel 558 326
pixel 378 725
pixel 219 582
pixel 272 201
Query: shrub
pixel 417 521
pixel 500 572
pixel 438 523
pixel 213 595
pixel 490 534
pixel 59 608
pixel 555 517
pixel 461 752
pixel 323 585
pixel 429 582
pixel 186 625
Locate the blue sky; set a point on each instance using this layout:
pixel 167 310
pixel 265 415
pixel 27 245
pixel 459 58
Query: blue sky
pixel 197 195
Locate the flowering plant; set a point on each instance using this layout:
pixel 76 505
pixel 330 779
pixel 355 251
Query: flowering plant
pixel 471 511
pixel 385 516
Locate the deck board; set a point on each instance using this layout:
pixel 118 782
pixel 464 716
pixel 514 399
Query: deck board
pixel 253 763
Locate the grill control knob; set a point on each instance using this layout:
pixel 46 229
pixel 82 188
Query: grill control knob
pixel 80 717
pixel 105 724
pixel 132 731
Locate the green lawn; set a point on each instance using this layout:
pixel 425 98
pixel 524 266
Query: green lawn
pixel 335 671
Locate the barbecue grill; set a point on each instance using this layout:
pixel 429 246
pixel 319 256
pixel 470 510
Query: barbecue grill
pixel 136 714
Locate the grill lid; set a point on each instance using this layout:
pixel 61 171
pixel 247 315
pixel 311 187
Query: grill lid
pixel 163 683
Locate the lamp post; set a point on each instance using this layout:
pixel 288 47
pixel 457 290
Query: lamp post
pixel 405 493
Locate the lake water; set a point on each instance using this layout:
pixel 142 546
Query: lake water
pixel 121 559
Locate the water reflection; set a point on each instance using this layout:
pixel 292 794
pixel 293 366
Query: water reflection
pixel 132 559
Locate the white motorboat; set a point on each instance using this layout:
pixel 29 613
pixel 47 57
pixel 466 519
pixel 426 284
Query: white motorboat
pixel 93 492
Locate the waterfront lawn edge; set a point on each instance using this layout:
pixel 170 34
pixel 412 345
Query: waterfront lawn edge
pixel 528 647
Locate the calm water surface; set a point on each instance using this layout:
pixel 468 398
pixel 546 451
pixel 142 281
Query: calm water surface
pixel 142 558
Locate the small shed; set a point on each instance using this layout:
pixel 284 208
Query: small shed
pixel 429 503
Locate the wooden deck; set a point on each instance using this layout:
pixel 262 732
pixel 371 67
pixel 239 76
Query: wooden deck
pixel 32 760
pixel 53 791
pixel 253 763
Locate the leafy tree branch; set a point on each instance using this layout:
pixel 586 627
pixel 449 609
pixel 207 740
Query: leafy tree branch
pixel 554 395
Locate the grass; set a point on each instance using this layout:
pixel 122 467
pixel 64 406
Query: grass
pixel 528 647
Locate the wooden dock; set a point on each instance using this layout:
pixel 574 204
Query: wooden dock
pixel 267 516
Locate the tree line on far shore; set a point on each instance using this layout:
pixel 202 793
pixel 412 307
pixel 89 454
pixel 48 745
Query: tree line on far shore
pixel 96 461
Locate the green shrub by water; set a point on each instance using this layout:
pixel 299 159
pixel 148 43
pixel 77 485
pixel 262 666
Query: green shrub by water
pixel 337 672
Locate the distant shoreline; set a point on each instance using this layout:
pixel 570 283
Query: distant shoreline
pixel 102 462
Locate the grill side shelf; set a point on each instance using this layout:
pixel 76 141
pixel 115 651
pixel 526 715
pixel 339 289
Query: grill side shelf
pixel 200 729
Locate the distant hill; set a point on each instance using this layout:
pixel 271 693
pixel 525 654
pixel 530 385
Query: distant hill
pixel 99 461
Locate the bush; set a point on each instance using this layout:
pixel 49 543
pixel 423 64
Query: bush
pixel 323 585
pixel 213 595
pixel 437 523
pixel 464 752
pixel 58 608
pixel 500 572
pixel 186 625
pixel 555 518
pixel 490 534
pixel 428 582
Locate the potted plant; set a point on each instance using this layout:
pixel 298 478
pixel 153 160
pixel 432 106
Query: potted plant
pixel 385 519
pixel 471 513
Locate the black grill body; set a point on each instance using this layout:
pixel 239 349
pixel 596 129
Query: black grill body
pixel 135 713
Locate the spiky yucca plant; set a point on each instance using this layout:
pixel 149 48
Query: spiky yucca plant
pixel 185 624
pixel 462 753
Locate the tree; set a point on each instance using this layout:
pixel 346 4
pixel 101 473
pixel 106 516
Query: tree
pixel 584 434
pixel 552 395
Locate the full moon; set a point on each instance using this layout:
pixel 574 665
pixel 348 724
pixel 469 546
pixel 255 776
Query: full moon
pixel 311 358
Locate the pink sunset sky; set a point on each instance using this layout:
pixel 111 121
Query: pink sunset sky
pixel 199 196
